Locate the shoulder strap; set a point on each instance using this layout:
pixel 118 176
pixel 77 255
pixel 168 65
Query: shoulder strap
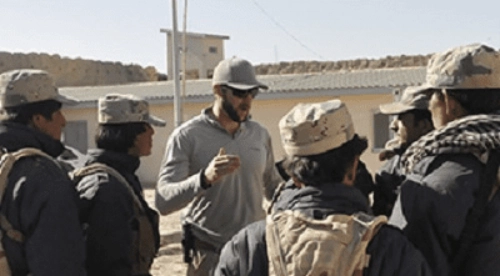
pixel 275 254
pixel 488 186
pixel 9 158
pixel 6 163
pixel 25 152
pixel 99 167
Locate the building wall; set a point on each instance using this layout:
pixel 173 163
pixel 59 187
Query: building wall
pixel 195 60
pixel 212 59
pixel 78 72
pixel 199 61
pixel 266 112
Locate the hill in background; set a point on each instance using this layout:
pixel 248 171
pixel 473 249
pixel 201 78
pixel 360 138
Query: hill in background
pixel 81 72
pixel 300 67
pixel 78 72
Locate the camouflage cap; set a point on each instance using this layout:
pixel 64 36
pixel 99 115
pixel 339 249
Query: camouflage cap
pixel 18 87
pixel 410 100
pixel 314 128
pixel 236 73
pixel 474 66
pixel 119 109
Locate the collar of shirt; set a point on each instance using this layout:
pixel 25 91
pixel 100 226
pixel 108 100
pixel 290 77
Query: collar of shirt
pixel 209 116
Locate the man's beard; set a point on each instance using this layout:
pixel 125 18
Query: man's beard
pixel 230 110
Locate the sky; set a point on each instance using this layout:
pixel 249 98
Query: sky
pixel 262 31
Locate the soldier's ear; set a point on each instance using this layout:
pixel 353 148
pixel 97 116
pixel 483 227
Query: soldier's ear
pixel 453 107
pixel 350 174
pixel 217 90
pixel 40 123
pixel 36 120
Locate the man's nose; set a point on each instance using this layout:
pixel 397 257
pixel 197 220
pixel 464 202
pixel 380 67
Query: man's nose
pixel 248 98
pixel 63 120
pixel 394 125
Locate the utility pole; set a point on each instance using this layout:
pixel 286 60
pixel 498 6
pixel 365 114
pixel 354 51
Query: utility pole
pixel 175 54
pixel 184 51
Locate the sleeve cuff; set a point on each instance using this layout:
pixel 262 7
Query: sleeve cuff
pixel 203 182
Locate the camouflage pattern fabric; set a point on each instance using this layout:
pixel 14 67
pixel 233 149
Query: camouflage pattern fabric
pixel 410 100
pixel 299 245
pixel 313 128
pixel 18 87
pixel 120 109
pixel 473 66
pixel 476 134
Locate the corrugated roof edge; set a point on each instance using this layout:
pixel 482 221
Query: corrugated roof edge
pixel 278 84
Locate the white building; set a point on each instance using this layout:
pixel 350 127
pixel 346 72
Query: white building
pixel 203 53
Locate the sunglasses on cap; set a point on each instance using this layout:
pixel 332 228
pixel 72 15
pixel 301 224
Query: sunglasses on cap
pixel 242 93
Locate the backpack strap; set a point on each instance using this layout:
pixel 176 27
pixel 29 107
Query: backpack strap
pixel 273 236
pixel 275 251
pixel 25 152
pixel 9 230
pixel 99 167
pixel 6 163
pixel 9 158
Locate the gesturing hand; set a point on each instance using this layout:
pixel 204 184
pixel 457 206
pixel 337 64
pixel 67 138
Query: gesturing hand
pixel 222 164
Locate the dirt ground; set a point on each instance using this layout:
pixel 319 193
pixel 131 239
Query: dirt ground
pixel 170 257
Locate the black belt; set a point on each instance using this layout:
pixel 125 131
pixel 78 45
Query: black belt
pixel 203 245
pixel 190 244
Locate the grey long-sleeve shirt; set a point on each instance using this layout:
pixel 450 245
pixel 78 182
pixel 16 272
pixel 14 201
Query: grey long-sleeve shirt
pixel 236 200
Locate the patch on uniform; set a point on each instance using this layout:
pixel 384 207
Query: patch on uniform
pixel 89 185
pixel 17 186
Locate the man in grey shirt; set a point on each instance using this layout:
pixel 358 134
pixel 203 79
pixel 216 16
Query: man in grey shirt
pixel 220 166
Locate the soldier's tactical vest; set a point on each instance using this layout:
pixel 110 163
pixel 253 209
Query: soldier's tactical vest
pixel 336 245
pixel 144 244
